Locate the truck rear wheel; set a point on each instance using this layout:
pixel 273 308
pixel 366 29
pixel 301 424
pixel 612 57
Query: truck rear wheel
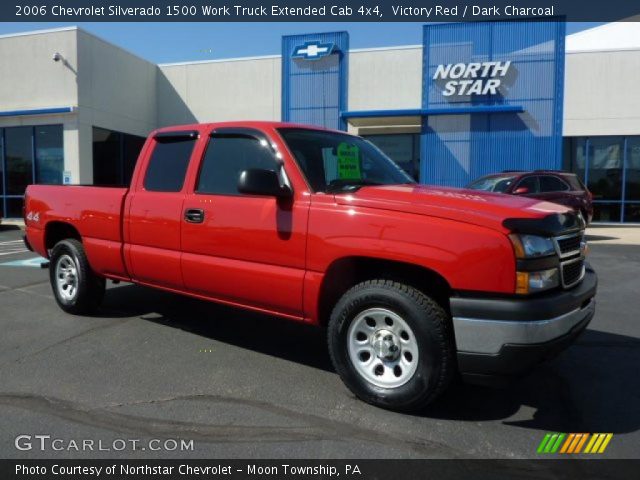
pixel 77 289
pixel 391 345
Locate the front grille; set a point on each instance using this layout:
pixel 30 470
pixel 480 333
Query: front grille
pixel 572 272
pixel 569 244
pixel 570 251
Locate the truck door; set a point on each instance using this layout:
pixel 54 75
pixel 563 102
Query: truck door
pixel 239 248
pixel 152 226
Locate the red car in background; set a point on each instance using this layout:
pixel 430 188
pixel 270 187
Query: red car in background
pixel 551 185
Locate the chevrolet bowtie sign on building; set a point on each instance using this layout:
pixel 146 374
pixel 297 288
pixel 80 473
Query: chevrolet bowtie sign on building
pixel 313 50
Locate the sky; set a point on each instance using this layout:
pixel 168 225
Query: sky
pixel 180 42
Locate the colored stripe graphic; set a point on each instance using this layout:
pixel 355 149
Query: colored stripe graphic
pixel 572 443
pixel 556 445
pixel 581 443
pixel 543 443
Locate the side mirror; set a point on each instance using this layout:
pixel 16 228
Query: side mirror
pixel 257 181
pixel 521 190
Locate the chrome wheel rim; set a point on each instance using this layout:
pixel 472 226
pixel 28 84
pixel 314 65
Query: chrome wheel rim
pixel 382 347
pixel 66 278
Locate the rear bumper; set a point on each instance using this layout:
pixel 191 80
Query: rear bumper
pixel 509 336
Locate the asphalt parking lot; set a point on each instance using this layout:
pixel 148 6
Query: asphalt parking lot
pixel 153 365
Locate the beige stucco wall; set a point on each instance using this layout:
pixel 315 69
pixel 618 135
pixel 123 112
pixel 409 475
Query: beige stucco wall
pixel 30 79
pixel 385 79
pixel 601 93
pixel 116 88
pixel 245 89
pixel 116 91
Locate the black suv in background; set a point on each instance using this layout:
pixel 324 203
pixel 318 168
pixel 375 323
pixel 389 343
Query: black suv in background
pixel 550 185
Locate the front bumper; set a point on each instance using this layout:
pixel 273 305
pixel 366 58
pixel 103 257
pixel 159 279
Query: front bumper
pixel 509 336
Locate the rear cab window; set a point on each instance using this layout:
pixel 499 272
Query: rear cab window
pixel 169 161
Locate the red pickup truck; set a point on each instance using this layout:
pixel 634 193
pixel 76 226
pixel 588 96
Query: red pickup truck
pixel 415 284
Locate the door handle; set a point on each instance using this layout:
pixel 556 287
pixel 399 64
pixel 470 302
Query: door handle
pixel 194 215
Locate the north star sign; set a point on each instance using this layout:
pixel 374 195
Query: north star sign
pixel 313 50
pixel 476 78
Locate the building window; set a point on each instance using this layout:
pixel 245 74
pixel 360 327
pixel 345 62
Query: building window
pixel 632 181
pixel 404 149
pixel 114 156
pixel 610 167
pixel 49 154
pixel 28 155
pixel 18 153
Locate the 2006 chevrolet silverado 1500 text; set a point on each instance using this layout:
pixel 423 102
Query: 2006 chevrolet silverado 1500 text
pixel 413 283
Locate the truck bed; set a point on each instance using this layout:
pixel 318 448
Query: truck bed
pixel 95 212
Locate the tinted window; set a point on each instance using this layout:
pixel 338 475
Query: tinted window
pixel 49 154
pixel 492 184
pixel 404 149
pixel 114 156
pixel 574 182
pixel 605 157
pixel 226 157
pixel 336 162
pixel 552 184
pixel 106 156
pixel 168 164
pixel 530 183
pixel 19 159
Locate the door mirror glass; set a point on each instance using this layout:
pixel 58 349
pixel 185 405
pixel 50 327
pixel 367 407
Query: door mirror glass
pixel 257 181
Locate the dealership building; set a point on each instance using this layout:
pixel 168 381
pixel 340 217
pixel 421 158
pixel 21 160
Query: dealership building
pixel 472 99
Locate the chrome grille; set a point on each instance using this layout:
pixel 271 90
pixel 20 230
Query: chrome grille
pixel 569 245
pixel 569 249
pixel 572 272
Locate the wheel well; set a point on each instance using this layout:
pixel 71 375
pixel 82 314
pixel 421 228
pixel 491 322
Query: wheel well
pixel 347 272
pixel 56 231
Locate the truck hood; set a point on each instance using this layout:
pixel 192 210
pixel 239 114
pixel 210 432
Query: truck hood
pixel 470 206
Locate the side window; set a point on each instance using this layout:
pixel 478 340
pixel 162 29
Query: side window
pixel 226 157
pixel 168 163
pixel 531 183
pixel 552 184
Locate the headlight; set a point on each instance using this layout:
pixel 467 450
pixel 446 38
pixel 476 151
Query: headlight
pixel 533 282
pixel 531 246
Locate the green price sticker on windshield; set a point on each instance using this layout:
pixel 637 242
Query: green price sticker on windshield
pixel 348 162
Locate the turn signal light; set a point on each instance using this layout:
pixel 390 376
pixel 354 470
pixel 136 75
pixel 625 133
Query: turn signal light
pixel 522 283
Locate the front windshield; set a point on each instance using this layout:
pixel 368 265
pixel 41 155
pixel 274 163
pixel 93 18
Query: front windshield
pixel 334 162
pixel 498 184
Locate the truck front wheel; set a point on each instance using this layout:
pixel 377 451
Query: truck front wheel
pixel 77 289
pixel 391 345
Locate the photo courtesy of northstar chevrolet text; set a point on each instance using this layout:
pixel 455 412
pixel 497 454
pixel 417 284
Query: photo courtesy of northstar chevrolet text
pixel 404 239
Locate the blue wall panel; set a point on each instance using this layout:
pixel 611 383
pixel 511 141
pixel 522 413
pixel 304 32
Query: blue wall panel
pixel 457 148
pixel 314 91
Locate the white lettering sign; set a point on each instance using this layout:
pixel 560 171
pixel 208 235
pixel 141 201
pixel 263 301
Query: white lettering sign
pixel 476 78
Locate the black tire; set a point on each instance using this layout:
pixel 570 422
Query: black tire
pixel 431 326
pixel 90 288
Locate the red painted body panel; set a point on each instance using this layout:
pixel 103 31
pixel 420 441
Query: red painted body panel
pixel 95 212
pixel 266 255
